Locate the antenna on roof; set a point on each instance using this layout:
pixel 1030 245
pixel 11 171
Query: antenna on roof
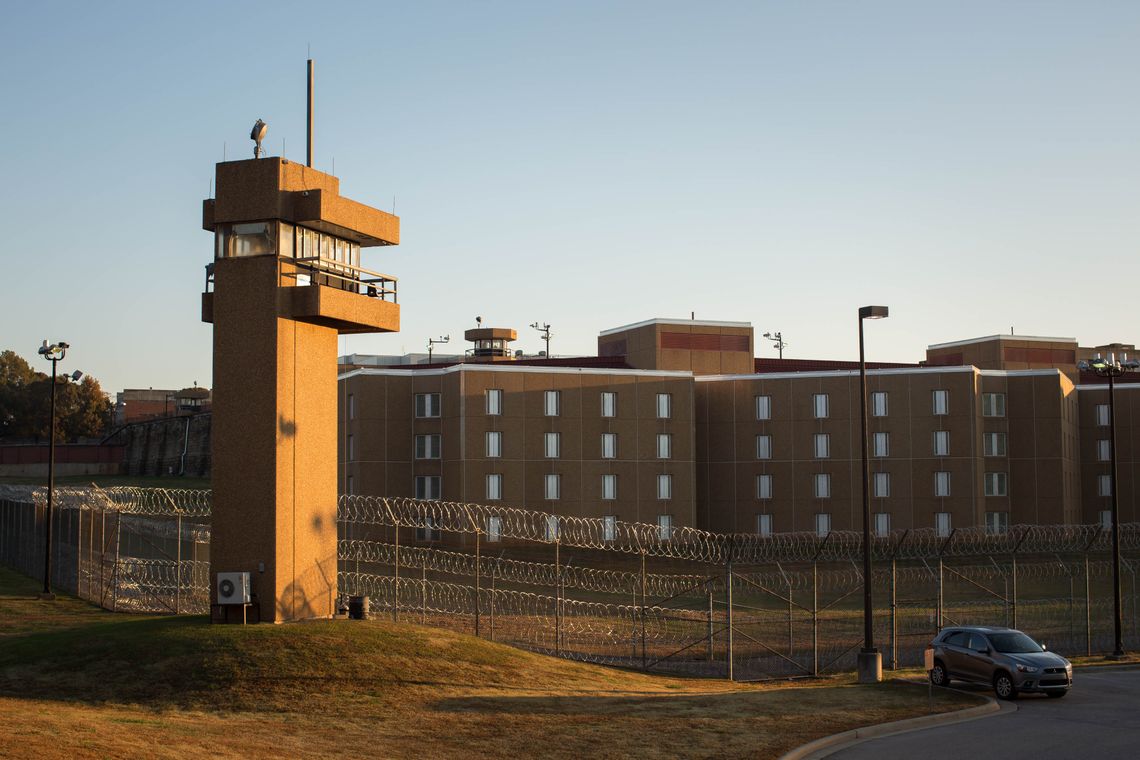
pixel 309 130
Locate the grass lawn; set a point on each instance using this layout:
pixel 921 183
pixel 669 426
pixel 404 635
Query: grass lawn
pixel 79 682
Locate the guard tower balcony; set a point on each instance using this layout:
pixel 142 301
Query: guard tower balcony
pixel 491 343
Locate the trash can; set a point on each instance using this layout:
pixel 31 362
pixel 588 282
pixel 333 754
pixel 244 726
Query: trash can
pixel 358 608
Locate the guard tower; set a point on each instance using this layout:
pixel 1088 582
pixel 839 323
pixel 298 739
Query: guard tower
pixel 285 281
pixel 492 344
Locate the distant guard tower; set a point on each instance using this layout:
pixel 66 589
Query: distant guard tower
pixel 285 281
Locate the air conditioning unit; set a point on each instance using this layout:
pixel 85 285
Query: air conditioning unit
pixel 233 588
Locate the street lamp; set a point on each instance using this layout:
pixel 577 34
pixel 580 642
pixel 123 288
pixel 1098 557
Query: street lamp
pixel 54 353
pixel 870 661
pixel 778 339
pixel 1111 368
pixel 544 328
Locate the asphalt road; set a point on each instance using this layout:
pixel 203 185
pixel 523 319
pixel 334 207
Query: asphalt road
pixel 1098 720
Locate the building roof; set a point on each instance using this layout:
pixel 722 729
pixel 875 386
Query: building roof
pixel 987 338
pixel 766 365
pixel 667 321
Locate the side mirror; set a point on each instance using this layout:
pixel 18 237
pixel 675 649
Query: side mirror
pixel 1044 648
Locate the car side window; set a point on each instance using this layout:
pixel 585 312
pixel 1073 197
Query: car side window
pixel 978 642
pixel 956 639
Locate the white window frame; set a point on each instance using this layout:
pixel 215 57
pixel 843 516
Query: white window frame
pixel 494 443
pixel 822 524
pixel 940 402
pixel 940 445
pixel 664 406
pixel 429 446
pixel 821 485
pixel 664 527
pixel 763 524
pixel 881 485
pixel 609 445
pixel 664 487
pixel 993 404
pixel 494 487
pixel 609 404
pixel 352 406
pixel 997 523
pixel 552 487
pixel 763 408
pixel 1104 517
pixel 821 446
pixel 427 406
pixel 996 484
pixel 1104 485
pixel 609 528
pixel 552 403
pixel 764 486
pixel 552 445
pixel 1104 450
pixel 880 444
pixel 1102 415
pixel 882 524
pixel 763 447
pixel 994 444
pixel 609 487
pixel 424 487
pixel 942 483
pixel 494 529
pixel 494 402
pixel 879 404
pixel 429 531
pixel 820 405
pixel 553 528
pixel 943 524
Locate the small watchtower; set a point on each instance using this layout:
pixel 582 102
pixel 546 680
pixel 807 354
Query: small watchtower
pixel 492 344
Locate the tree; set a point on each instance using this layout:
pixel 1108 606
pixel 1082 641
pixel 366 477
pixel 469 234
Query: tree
pixel 82 409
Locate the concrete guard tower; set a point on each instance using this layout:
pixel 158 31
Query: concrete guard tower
pixel 285 281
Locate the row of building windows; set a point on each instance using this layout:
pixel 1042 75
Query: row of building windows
pixel 429 487
pixel 994 445
pixel 428 404
pixel 996 484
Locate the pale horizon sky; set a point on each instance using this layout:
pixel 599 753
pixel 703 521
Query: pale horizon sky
pixel 973 166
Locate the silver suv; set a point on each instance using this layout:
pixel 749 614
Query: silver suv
pixel 1005 658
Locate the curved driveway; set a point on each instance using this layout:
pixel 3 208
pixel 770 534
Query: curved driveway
pixel 1100 718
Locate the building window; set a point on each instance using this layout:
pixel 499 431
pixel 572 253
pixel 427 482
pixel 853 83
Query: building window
pixel 1106 519
pixel 609 404
pixel 427 446
pixel 882 485
pixel 822 485
pixel 552 445
pixel 879 404
pixel 993 404
pixel 664 487
pixel 664 446
pixel 941 402
pixel 494 444
pixel 609 445
pixel 352 406
pixel 664 527
pixel 348 486
pixel 881 444
pixel 664 406
pixel 941 484
pixel 882 524
pixel 822 524
pixel 1102 415
pixel 609 487
pixel 822 445
pixel 428 530
pixel 941 443
pixel 494 401
pixel 427 405
pixel 494 487
pixel 996 484
pixel 997 523
pixel 764 525
pixel 993 444
pixel 1104 485
pixel 553 487
pixel 494 528
pixel 763 407
pixel 349 449
pixel 763 486
pixel 763 447
pixel 1104 450
pixel 609 528
pixel 820 405
pixel 552 531
pixel 428 487
pixel 942 524
pixel 552 403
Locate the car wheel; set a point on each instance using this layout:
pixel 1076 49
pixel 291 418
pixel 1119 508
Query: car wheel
pixel 938 675
pixel 1003 686
pixel 1057 694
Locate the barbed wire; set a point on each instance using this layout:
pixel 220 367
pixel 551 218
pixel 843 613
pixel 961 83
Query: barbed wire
pixel 158 502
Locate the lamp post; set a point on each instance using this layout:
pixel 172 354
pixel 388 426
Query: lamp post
pixel 1112 368
pixel 870 661
pixel 54 353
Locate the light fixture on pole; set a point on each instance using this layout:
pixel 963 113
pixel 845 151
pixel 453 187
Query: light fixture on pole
pixel 545 330
pixel 778 339
pixel 870 661
pixel 433 341
pixel 54 353
pixel 1111 368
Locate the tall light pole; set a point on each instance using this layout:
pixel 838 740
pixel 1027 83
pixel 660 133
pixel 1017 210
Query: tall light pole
pixel 778 339
pixel 545 330
pixel 870 661
pixel 441 339
pixel 1112 368
pixel 54 353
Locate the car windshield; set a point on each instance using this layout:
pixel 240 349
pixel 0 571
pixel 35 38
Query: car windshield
pixel 1014 643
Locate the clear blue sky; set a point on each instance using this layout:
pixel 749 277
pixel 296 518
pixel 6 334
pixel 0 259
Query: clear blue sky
pixel 975 166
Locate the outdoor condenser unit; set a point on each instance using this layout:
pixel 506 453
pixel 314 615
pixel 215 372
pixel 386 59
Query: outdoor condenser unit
pixel 233 588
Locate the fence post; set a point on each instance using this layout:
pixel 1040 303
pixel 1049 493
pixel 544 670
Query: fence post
pixel 79 551
pixel 423 586
pixel 478 579
pixel 102 556
pixel 557 596
pixel 494 574
pixel 894 616
pixel 1088 609
pixel 815 617
pixel 178 565
pixel 115 569
pixel 644 656
pixel 709 617
pixel 938 608
pixel 728 600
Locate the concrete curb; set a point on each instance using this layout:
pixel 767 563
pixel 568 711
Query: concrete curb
pixel 829 744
